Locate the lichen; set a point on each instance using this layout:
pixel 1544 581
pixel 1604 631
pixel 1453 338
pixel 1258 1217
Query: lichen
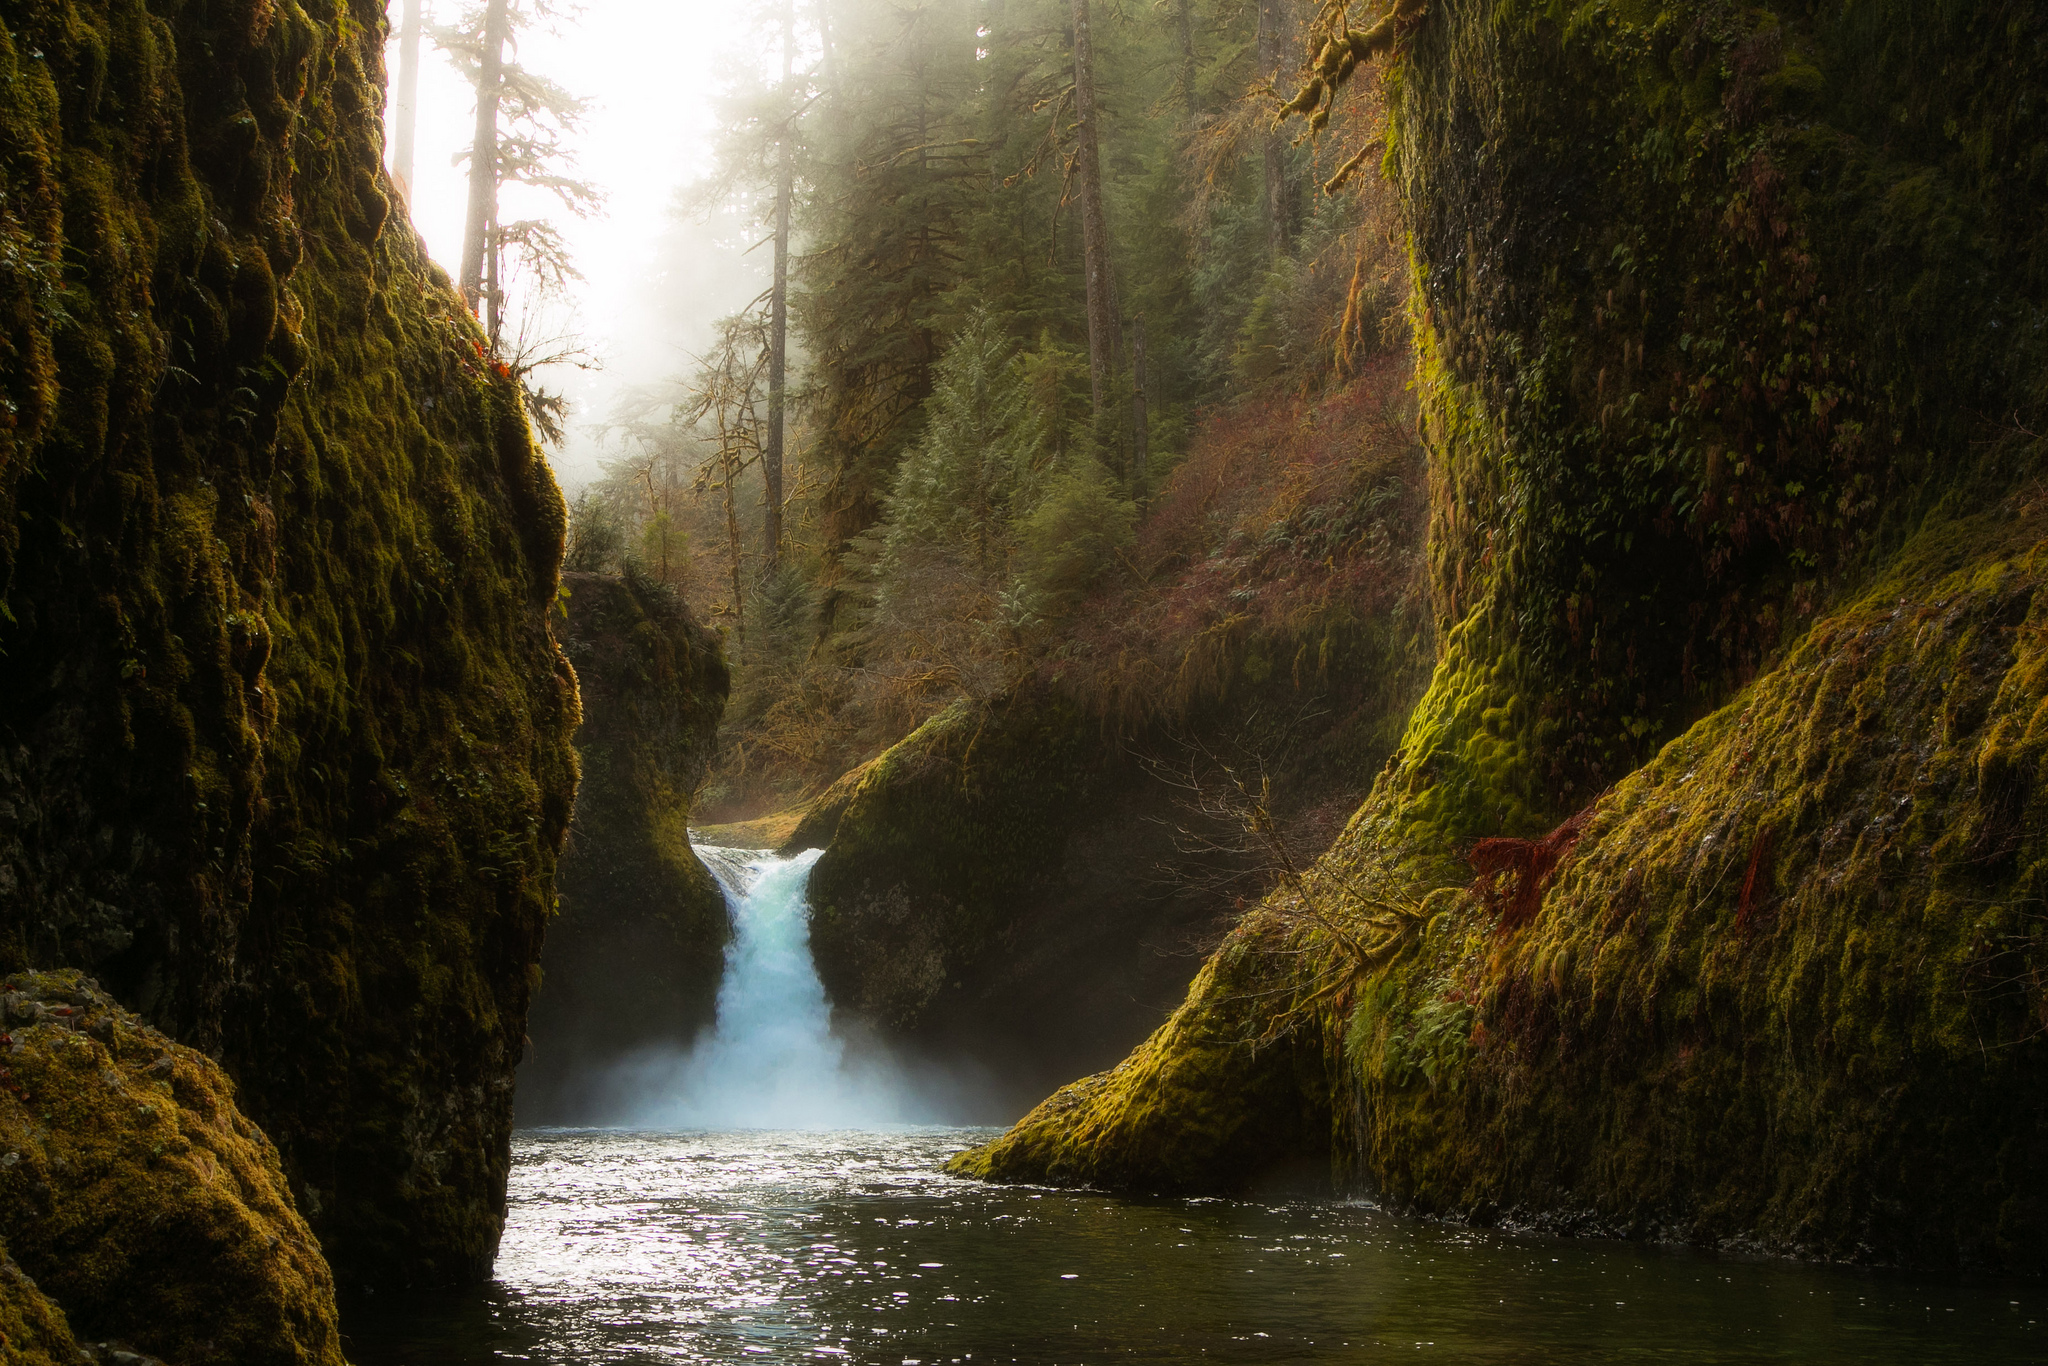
pixel 140 1198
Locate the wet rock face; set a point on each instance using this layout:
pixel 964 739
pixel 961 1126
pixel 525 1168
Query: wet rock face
pixel 634 956
pixel 152 1216
pixel 284 755
pixel 1012 887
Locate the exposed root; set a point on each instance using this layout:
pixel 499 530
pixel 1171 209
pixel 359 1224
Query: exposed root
pixel 1530 864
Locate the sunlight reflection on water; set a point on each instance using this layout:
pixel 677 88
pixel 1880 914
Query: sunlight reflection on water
pixel 786 1247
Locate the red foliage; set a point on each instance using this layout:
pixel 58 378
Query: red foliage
pixel 1528 864
pixel 1283 507
pixel 1756 882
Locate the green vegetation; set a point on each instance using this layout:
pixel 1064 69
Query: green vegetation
pixel 32 1329
pixel 1026 567
pixel 964 498
pixel 140 1199
pixel 1726 329
pixel 286 736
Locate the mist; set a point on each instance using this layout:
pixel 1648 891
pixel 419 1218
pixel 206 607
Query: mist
pixel 773 1059
pixel 656 277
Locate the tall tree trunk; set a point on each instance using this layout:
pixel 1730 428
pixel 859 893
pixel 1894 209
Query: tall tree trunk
pixel 1102 327
pixel 1141 436
pixel 1272 20
pixel 778 301
pixel 828 71
pixel 1184 30
pixel 483 153
pixel 406 135
pixel 494 289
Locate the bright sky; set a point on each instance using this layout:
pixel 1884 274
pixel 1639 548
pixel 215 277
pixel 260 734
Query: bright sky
pixel 651 69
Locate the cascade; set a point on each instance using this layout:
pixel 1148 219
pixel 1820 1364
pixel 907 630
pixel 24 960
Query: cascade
pixel 771 1061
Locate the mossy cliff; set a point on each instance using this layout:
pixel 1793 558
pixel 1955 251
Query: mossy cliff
pixel 284 754
pixel 1731 328
pixel 945 910
pixel 1018 884
pixel 140 1199
pixel 635 955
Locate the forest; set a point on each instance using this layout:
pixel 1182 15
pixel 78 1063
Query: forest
pixel 915 680
pixel 1072 358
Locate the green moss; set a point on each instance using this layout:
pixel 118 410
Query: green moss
pixel 1215 1101
pixel 140 1198
pixel 33 1331
pixel 286 734
pixel 940 842
pixel 634 957
pixel 1712 304
pixel 1683 273
pixel 1792 960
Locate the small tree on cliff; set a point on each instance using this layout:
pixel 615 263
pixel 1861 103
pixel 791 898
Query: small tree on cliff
pixel 523 121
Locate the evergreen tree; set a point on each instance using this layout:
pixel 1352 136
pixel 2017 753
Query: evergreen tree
pixel 523 122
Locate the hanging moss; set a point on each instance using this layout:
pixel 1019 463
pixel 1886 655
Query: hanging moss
pixel 635 955
pixel 140 1198
pixel 285 750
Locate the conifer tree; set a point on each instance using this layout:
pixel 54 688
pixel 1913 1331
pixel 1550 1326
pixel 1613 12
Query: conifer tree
pixel 406 104
pixel 1101 285
pixel 523 121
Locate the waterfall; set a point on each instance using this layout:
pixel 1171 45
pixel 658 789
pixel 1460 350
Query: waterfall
pixel 771 1061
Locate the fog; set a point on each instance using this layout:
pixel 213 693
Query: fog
pixel 773 1060
pixel 652 70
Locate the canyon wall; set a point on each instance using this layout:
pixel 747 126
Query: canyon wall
pixel 1702 900
pixel 633 960
pixel 284 749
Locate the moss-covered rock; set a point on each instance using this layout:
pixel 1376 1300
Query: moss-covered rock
pixel 1788 988
pixel 33 1331
pixel 284 752
pixel 1712 300
pixel 1729 323
pixel 140 1199
pixel 1018 884
pixel 1208 1104
pixel 991 892
pixel 635 955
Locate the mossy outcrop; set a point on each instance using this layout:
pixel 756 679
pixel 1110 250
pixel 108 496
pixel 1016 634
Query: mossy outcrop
pixel 634 957
pixel 1730 327
pixel 1017 884
pixel 284 755
pixel 952 908
pixel 140 1199
pixel 33 1330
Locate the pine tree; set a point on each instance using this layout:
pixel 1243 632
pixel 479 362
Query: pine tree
pixel 406 104
pixel 981 455
pixel 523 122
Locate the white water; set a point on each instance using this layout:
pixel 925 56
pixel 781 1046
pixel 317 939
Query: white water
pixel 772 1061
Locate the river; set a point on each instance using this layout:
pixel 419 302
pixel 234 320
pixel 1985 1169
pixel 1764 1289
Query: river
pixel 765 1200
